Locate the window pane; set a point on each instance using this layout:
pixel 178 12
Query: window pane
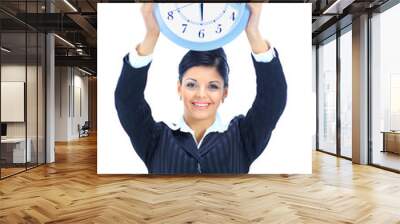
pixel 327 96
pixel 31 101
pixel 386 88
pixel 14 153
pixel 346 93
pixel 23 89
pixel 41 98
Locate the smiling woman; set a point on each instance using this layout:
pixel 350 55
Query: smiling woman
pixel 202 85
pixel 200 143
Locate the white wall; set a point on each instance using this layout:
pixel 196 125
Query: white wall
pixel 61 103
pixel 71 94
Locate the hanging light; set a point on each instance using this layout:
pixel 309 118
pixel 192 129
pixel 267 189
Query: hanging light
pixel 5 50
pixel 70 5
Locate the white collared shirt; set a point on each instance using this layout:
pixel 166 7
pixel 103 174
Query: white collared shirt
pixel 217 126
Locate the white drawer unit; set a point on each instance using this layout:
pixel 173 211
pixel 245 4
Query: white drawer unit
pixel 17 146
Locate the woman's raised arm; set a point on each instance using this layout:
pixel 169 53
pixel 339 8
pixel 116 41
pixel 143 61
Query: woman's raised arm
pixel 257 126
pixel 257 44
pixel 146 47
pixel 133 111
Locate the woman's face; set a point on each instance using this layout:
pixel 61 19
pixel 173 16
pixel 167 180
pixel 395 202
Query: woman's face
pixel 202 90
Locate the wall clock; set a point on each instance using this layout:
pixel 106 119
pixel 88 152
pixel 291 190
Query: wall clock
pixel 201 26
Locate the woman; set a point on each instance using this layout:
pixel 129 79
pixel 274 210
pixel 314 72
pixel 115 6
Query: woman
pixel 199 143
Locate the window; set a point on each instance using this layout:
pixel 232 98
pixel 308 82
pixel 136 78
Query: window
pixel 327 96
pixel 385 89
pixel 346 93
pixel 22 78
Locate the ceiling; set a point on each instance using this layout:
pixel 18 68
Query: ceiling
pixel 76 22
pixel 77 25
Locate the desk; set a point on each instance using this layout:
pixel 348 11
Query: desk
pixel 15 148
pixel 391 141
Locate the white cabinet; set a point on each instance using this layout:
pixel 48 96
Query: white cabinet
pixel 17 146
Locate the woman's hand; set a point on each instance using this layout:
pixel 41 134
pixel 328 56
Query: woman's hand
pixel 258 45
pixel 152 30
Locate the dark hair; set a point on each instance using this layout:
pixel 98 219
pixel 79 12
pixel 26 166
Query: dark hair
pixel 214 58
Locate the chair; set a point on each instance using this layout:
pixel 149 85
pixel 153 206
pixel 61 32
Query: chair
pixel 84 130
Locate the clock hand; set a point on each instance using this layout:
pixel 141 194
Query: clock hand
pixel 184 6
pixel 201 10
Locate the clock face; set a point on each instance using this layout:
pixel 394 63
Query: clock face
pixel 201 26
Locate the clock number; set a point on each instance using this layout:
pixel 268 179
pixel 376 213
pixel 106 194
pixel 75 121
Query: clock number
pixel 201 33
pixel 184 27
pixel 219 29
pixel 170 15
pixel 233 16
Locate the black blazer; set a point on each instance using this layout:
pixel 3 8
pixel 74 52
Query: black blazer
pixel 167 151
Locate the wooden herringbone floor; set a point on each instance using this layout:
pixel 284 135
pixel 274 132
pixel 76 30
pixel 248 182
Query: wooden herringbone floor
pixel 70 191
